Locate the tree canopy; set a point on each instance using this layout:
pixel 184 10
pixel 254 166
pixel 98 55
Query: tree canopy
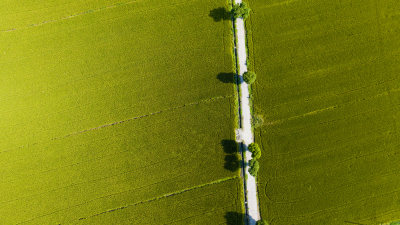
pixel 249 77
pixel 254 167
pixel 240 11
pixel 255 150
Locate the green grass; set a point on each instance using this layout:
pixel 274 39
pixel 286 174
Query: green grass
pixel 328 90
pixel 107 104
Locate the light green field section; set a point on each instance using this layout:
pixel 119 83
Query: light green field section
pixel 107 104
pixel 328 89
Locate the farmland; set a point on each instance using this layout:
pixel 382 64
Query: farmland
pixel 112 113
pixel 328 90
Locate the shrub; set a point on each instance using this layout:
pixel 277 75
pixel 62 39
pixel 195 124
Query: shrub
pixel 249 77
pixel 256 154
pixel 255 150
pixel 262 222
pixel 240 10
pixel 254 167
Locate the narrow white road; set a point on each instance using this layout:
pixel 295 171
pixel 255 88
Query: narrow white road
pixel 246 131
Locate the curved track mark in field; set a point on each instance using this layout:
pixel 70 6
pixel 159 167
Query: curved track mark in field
pixel 266 192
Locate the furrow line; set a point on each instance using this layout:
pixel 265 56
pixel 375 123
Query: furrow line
pixel 126 120
pixel 143 116
pixel 71 16
pixel 161 197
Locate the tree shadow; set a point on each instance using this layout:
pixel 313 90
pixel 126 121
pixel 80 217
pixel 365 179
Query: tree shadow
pixel 230 146
pixel 251 221
pixel 234 218
pixel 227 77
pixel 219 14
pixel 232 162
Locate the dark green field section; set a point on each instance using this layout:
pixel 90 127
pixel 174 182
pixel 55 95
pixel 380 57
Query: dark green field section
pixel 112 113
pixel 328 88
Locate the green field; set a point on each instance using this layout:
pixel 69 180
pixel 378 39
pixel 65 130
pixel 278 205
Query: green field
pixel 112 113
pixel 328 89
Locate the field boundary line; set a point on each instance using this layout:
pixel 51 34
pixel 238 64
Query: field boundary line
pixel 89 11
pixel 72 16
pixel 162 196
pixel 134 204
pixel 212 99
pixel 146 115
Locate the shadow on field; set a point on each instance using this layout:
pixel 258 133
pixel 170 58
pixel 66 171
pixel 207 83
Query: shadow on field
pixel 232 162
pixel 227 77
pixel 229 146
pixel 234 218
pixel 219 14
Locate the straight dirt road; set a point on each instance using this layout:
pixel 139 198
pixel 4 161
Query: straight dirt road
pixel 246 130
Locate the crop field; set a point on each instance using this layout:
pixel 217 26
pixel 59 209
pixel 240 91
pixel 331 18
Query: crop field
pixel 115 112
pixel 328 89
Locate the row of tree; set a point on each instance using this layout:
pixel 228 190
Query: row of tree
pixel 249 77
pixel 254 166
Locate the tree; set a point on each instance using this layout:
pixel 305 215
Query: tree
pixel 249 77
pixel 240 10
pixel 262 222
pixel 254 167
pixel 255 150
